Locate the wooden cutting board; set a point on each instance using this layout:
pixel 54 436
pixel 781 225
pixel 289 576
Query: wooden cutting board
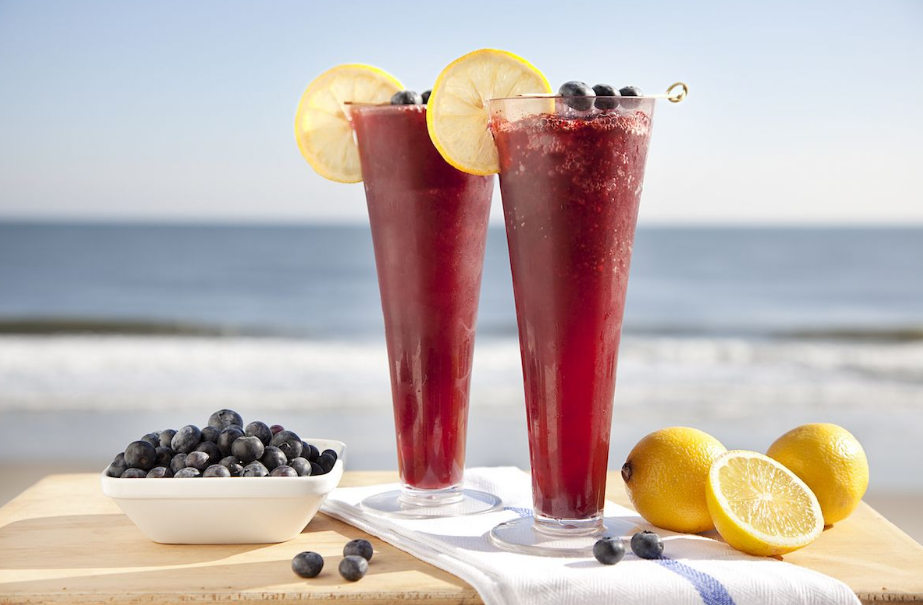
pixel 62 541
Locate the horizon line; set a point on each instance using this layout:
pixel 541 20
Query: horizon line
pixel 342 222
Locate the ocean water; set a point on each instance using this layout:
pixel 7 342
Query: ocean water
pixel 740 331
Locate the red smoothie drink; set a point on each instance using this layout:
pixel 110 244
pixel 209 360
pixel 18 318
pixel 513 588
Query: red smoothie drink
pixel 571 182
pixel 429 228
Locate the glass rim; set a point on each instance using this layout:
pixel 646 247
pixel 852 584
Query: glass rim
pixel 381 105
pixel 555 97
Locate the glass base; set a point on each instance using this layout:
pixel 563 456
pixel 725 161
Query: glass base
pixel 410 503
pixel 546 537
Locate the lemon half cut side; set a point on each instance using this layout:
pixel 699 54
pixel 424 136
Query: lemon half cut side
pixel 322 127
pixel 759 506
pixel 457 116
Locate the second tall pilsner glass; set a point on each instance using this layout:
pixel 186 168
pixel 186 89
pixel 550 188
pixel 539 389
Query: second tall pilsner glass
pixel 429 230
pixel 570 177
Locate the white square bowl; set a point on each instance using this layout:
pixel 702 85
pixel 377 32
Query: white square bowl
pixel 225 510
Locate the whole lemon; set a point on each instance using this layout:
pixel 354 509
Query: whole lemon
pixel 830 461
pixel 665 476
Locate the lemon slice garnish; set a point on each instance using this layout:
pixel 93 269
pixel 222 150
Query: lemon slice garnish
pixel 759 506
pixel 457 115
pixel 322 128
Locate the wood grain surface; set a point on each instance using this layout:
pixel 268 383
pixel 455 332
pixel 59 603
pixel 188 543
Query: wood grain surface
pixel 62 541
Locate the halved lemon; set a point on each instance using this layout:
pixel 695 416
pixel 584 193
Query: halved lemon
pixel 456 114
pixel 759 506
pixel 322 129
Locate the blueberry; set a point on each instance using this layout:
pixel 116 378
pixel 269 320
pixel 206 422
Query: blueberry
pixel 326 462
pixel 276 428
pixel 360 548
pixel 273 457
pixel 166 438
pixel 227 437
pixel 307 564
pixel 259 429
pixel 247 449
pixel 235 468
pixel 606 96
pixel 197 460
pixel 406 97
pixel 210 433
pixel 425 96
pixel 160 472
pixel 283 471
pixel 309 451
pixel 289 443
pixel 187 473
pixel 164 455
pixel 609 551
pixel 216 470
pixel 574 93
pixel 254 469
pixel 178 463
pixel 647 545
pixel 152 438
pixel 353 568
pixel 331 453
pixel 117 467
pixel 140 454
pixel 134 473
pixel 222 419
pixel 316 469
pixel 630 91
pixel 214 454
pixel 186 439
pixel 301 466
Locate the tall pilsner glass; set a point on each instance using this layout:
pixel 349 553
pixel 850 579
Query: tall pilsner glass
pixel 570 180
pixel 429 229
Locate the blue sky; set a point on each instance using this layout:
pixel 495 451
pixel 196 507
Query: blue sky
pixel 798 111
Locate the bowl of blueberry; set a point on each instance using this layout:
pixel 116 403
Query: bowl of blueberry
pixel 226 483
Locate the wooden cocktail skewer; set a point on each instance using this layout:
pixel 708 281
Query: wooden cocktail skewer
pixel 675 94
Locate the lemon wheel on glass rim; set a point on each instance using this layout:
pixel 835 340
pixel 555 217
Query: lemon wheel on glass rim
pixel 457 115
pixel 322 129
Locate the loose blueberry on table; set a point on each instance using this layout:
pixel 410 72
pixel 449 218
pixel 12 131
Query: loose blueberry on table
pixel 307 564
pixel 360 548
pixel 647 545
pixel 609 551
pixel 353 568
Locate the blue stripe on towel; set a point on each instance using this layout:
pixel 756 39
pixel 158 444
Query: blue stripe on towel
pixel 710 589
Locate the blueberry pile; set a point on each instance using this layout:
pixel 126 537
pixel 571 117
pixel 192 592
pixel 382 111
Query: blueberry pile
pixel 581 97
pixel 224 448
pixel 410 97
pixel 645 544
pixel 355 564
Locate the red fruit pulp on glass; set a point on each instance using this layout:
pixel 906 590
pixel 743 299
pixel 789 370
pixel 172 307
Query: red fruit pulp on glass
pixel 429 229
pixel 570 189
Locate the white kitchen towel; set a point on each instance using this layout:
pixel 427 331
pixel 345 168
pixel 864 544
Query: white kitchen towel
pixel 693 570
